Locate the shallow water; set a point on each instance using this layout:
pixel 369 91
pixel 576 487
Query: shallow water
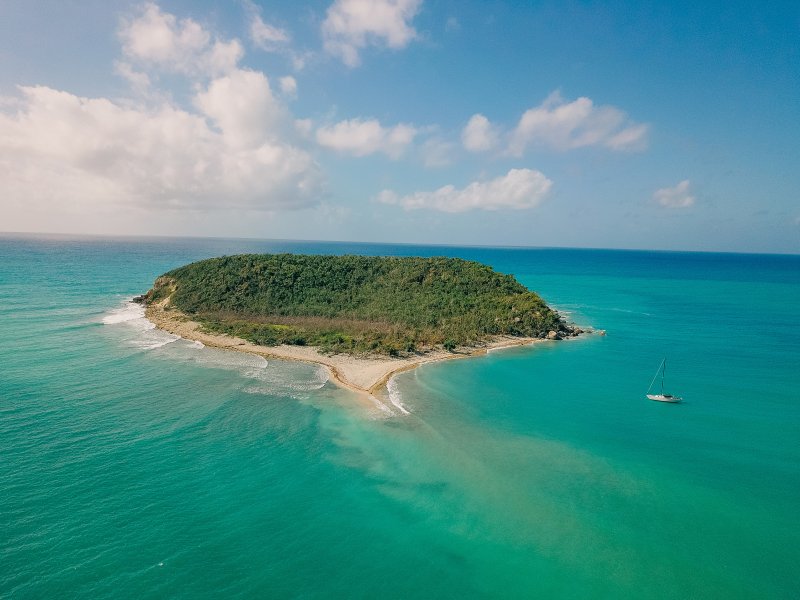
pixel 135 464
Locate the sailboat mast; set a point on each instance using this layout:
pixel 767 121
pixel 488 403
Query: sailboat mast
pixel 663 372
pixel 656 377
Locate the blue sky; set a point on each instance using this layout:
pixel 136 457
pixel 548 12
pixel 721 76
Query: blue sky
pixel 622 125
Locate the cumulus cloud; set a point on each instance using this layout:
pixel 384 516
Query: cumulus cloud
pixel 233 145
pixel 61 148
pixel 242 107
pixel 351 25
pixel 160 39
pixel 479 134
pixel 361 137
pixel 563 125
pixel 678 196
pixel 519 189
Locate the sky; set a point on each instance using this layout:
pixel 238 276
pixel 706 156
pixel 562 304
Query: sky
pixel 663 125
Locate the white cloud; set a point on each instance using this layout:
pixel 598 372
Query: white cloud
pixel 567 125
pixel 351 25
pixel 363 137
pixel 139 81
pixel 92 152
pixel 519 189
pixel 678 196
pixel 289 86
pixel 478 134
pixel 234 146
pixel 242 106
pixel 223 57
pixel 159 39
pixel 272 38
pixel 266 36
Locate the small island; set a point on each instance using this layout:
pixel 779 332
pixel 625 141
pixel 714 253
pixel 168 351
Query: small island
pixel 365 318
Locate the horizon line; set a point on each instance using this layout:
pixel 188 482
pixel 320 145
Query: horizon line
pixel 383 243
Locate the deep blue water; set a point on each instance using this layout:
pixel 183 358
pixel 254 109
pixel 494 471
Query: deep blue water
pixel 133 465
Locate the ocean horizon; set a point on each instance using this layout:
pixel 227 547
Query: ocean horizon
pixel 54 235
pixel 137 464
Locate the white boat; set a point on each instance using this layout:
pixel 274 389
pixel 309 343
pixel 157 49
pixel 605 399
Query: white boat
pixel 662 397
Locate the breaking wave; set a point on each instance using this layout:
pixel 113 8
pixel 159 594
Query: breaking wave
pixel 395 397
pixel 130 311
pixel 138 332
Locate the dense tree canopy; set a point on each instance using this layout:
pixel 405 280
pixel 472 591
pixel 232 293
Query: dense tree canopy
pixel 356 304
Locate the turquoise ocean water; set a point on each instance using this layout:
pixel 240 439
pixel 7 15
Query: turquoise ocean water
pixel 133 465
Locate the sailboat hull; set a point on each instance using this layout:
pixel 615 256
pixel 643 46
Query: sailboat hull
pixel 664 398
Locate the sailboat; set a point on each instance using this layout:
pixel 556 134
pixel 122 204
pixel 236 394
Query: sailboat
pixel 662 397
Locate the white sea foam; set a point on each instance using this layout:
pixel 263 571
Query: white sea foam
pixel 260 375
pixel 286 379
pixel 251 365
pixel 141 333
pixel 130 311
pixel 155 339
pixel 384 411
pixel 395 397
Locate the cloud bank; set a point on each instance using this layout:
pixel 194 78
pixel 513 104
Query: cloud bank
pixel 519 189
pixel 232 147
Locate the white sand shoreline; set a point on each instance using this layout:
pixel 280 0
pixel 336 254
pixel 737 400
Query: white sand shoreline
pixel 366 376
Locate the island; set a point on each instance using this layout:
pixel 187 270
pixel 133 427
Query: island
pixel 364 317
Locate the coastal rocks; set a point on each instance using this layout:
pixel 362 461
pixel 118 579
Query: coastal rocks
pixel 162 289
pixel 567 331
pixel 575 331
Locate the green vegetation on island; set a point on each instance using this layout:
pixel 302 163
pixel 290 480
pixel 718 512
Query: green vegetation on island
pixel 357 304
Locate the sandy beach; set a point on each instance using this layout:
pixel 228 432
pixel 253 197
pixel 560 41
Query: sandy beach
pixel 365 375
